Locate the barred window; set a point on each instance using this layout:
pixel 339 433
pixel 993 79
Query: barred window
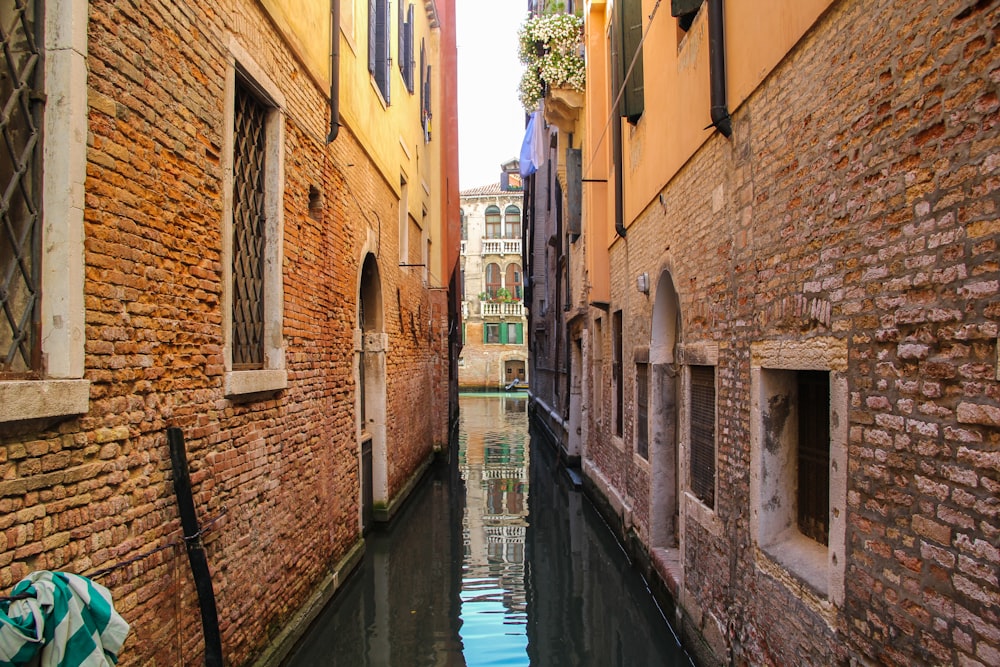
pixel 814 455
pixel 642 409
pixel 702 433
pixel 21 92
pixel 249 161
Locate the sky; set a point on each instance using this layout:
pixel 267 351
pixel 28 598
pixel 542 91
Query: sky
pixel 490 118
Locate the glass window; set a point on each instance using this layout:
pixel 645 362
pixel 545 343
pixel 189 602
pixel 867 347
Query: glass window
pixel 492 222
pixel 512 222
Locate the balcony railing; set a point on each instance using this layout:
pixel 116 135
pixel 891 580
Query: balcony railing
pixel 503 309
pixel 501 246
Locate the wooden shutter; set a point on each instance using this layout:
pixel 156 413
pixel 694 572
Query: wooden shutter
pixel 372 32
pixel 574 190
pixel 520 333
pixel 382 36
pixel 633 101
pixel 682 7
pixel 407 55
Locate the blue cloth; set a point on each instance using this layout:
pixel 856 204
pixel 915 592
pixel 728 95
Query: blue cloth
pixel 534 145
pixel 65 621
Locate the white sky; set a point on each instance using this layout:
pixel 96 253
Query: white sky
pixel 490 118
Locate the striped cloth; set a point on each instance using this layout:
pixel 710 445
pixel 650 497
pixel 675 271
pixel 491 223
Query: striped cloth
pixel 66 621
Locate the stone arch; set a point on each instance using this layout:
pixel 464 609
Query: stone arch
pixel 370 348
pixel 664 410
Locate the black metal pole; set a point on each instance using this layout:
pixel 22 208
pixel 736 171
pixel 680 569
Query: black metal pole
pixel 195 550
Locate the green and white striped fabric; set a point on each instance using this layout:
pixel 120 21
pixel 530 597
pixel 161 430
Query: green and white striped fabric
pixel 67 621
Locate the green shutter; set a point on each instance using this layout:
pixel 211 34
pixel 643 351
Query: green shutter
pixel 520 334
pixel 503 333
pixel 630 27
pixel 486 335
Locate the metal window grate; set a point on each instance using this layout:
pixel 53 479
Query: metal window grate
pixel 814 455
pixel 703 433
pixel 249 150
pixel 20 179
pixel 642 409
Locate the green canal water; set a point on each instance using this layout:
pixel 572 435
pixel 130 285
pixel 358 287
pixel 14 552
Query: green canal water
pixel 497 559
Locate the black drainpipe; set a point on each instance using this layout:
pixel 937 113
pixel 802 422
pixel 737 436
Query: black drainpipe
pixel 717 68
pixel 616 147
pixel 334 71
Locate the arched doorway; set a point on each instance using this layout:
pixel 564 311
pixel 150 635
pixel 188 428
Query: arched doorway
pixel 371 402
pixel 663 414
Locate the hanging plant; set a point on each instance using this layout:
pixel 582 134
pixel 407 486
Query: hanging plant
pixel 550 47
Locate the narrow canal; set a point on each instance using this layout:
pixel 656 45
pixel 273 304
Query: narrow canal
pixel 496 560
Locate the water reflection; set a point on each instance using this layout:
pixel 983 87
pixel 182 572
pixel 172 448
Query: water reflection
pixel 478 571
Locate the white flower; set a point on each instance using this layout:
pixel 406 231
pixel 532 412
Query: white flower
pixel 550 47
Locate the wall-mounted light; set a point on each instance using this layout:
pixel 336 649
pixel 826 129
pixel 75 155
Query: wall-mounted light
pixel 642 283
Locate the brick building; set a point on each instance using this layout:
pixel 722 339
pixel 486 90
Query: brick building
pixel 199 233
pixel 495 348
pixel 781 316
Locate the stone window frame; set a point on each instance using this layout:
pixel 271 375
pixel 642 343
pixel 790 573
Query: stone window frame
pixel 63 390
pixel 779 548
pixel 273 376
pixel 699 353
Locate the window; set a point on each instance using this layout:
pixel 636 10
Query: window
pixel 491 332
pixel 597 352
pixel 799 458
pixel 465 224
pixel 425 93
pixel 379 60
pixel 512 222
pixel 405 45
pixel 42 320
pixel 404 221
pixel 492 280
pixel 701 433
pixel 642 409
pixel 252 230
pixel 685 11
pixel 514 333
pixel 626 39
pixel 492 222
pixel 513 281
pixel 616 371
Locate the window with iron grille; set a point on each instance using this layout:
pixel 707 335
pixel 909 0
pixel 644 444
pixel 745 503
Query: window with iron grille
pixel 21 93
pixel 616 372
pixel 702 433
pixel 249 158
pixel 642 409
pixel 814 455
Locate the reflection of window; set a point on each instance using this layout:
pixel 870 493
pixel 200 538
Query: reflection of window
pixel 492 222
pixel 492 280
pixel 702 433
pixel 512 222
pixel 491 332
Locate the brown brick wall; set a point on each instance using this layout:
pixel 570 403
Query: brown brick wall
pixel 91 492
pixel 857 198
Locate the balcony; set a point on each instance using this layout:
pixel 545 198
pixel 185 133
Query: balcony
pixel 502 309
pixel 502 247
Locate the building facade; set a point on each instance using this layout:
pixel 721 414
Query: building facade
pixel 495 348
pixel 780 314
pixel 199 236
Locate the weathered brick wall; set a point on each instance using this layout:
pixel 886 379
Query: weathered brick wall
pixel 281 472
pixel 857 199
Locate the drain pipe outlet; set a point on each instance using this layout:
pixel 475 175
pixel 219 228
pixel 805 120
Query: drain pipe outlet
pixel 717 68
pixel 334 71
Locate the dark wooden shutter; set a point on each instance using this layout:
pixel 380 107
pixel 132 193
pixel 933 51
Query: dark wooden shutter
pixel 642 409
pixel 372 34
pixel 382 36
pixel 702 434
pixel 407 56
pixel 682 7
pixel 574 190
pixel 400 38
pixel 814 455
pixel 633 100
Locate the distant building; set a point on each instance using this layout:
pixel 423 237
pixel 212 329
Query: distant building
pixel 495 350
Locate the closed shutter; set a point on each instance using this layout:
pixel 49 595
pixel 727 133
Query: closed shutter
pixel 520 334
pixel 382 60
pixel 703 434
pixel 372 32
pixel 407 55
pixel 633 100
pixel 682 7
pixel 574 190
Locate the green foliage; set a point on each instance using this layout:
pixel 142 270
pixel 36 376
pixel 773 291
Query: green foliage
pixel 550 47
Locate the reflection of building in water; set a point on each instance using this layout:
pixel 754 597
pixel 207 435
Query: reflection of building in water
pixel 493 459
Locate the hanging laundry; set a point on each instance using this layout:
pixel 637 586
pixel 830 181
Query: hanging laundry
pixel 535 144
pixel 62 620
